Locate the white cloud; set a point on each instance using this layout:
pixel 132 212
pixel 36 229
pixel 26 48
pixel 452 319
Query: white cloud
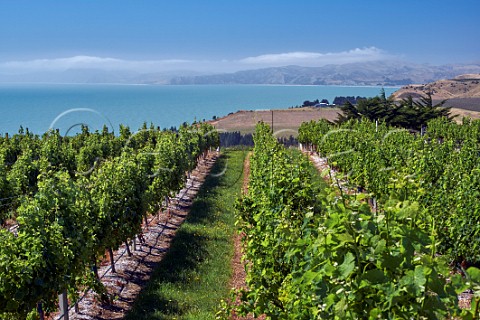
pixel 58 63
pixel 316 59
pixel 85 62
pixel 308 59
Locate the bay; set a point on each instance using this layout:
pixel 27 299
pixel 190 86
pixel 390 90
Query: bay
pixel 40 107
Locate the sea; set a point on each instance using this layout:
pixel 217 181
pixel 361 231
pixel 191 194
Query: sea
pixel 40 107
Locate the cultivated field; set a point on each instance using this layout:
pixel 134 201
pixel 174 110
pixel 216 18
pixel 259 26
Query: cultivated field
pixel 291 119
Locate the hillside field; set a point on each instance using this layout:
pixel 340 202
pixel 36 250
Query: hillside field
pixel 290 120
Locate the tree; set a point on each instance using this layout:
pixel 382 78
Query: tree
pixel 408 113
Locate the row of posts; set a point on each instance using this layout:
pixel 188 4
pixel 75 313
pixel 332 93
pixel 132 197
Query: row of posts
pixel 63 299
pixel 63 304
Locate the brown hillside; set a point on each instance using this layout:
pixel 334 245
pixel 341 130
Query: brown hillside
pixel 285 122
pixel 466 86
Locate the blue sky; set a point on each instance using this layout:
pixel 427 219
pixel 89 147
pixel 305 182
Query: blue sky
pixel 229 35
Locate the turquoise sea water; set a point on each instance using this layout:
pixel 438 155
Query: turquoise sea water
pixel 39 107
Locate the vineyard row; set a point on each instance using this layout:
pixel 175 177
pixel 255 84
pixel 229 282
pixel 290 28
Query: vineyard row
pixel 73 198
pixel 320 252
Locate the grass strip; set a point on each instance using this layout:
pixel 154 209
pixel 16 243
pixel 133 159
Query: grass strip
pixel 194 276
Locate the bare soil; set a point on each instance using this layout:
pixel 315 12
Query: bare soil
pixel 462 87
pixel 287 121
pixel 238 265
pixel 467 113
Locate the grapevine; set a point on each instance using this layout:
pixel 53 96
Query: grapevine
pixel 316 253
pixel 74 197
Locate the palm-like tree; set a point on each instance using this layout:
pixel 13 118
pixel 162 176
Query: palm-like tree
pixel 408 113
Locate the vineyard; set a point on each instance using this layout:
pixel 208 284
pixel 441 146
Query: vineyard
pixel 394 236
pixel 65 201
pixel 389 229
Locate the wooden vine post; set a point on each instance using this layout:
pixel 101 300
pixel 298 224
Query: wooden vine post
pixel 63 303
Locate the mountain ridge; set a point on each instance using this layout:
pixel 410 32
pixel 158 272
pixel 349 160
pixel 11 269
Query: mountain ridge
pixel 377 73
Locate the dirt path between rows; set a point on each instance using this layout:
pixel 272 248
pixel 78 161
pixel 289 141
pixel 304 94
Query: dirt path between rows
pixel 239 275
pixel 133 273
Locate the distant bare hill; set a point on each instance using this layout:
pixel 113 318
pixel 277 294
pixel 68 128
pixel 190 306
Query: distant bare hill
pixel 373 73
pixel 462 91
pixel 463 86
pixel 376 73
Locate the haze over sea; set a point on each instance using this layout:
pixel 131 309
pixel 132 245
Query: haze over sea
pixel 39 107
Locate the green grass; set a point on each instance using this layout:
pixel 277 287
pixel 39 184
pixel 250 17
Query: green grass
pixel 194 276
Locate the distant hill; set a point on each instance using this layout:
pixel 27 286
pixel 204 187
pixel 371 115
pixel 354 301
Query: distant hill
pixel 462 91
pixel 379 73
pixel 383 73
pixel 94 76
pixel 463 86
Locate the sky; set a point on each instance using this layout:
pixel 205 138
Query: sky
pixel 215 36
